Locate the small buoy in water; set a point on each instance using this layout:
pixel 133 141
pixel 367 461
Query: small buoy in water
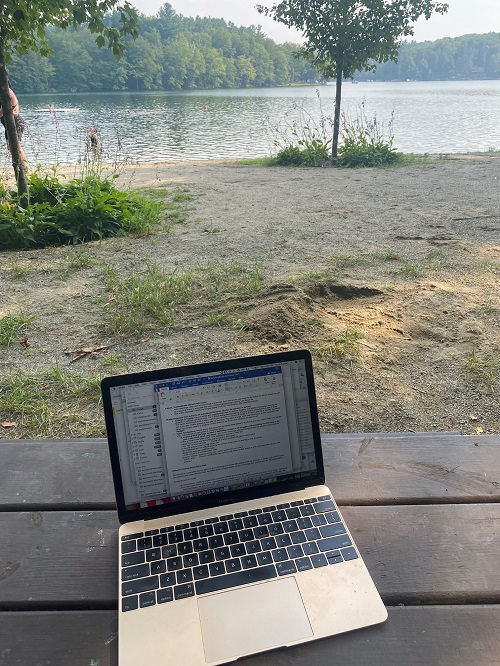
pixel 205 108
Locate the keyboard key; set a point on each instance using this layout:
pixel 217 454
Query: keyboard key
pixel 267 509
pixel 226 518
pixel 129 546
pixel 323 498
pixel 264 558
pixel 217 568
pixel 184 576
pixel 294 552
pixel 144 543
pixel 133 558
pixel 278 516
pixel 222 553
pixel 235 525
pixel 307 510
pixel 174 563
pixel 269 543
pixel 163 596
pixel 190 534
pixel 235 579
pixel 303 564
pixel 230 538
pixel 158 567
pixel 292 513
pixel 130 603
pixel 284 568
pixel 334 557
pixel 260 532
pixel 332 530
pixel 319 560
pixel 237 550
pixel 241 514
pixel 310 548
pixel 349 554
pixel 210 521
pixel 290 526
pixel 206 556
pixel 168 551
pixel 298 537
pixel 265 519
pixel 196 523
pixel 200 544
pixel 221 528
pixel 182 527
pixel 151 532
pixel 283 540
pixel 175 537
pixel 183 591
pixel 276 528
pixel 253 547
pixel 321 507
pixel 332 517
pixel 206 531
pixel 297 503
pixel 313 534
pixel 128 537
pixel 233 565
pixel 286 505
pixel 140 571
pixel 200 572
pixel 147 599
pixel 160 540
pixel 216 541
pixel 167 580
pixel 317 521
pixel 185 548
pixel 254 512
pixel 251 521
pixel 248 561
pixel 246 535
pixel 311 500
pixel 280 554
pixel 141 585
pixel 190 560
pixel 153 554
pixel 333 543
pixel 304 523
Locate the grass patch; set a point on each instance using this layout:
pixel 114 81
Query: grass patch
pixel 52 403
pixel 75 260
pixel 483 367
pixel 173 202
pixel 12 326
pixel 142 301
pixel 343 347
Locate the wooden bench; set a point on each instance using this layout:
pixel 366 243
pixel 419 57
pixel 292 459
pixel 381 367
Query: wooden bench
pixel 424 510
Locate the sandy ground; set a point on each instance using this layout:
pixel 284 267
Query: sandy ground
pixel 408 258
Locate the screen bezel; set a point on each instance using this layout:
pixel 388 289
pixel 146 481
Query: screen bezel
pixel 213 500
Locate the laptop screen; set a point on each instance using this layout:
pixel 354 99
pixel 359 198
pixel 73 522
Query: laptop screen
pixel 203 434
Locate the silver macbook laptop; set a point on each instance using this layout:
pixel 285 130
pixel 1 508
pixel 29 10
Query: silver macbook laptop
pixel 230 542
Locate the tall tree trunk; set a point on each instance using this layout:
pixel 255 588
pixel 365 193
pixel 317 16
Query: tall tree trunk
pixel 338 99
pixel 10 126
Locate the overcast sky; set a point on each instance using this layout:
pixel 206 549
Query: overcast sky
pixel 463 17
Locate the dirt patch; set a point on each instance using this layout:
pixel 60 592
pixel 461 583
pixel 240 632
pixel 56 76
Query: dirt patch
pixel 389 276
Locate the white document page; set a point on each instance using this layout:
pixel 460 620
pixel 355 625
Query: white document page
pixel 224 429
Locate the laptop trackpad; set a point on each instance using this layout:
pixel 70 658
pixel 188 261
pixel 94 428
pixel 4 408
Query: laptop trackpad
pixel 250 619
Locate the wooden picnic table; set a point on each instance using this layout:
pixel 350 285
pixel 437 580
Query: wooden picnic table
pixel 424 510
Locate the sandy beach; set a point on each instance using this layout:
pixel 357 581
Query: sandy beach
pixel 408 258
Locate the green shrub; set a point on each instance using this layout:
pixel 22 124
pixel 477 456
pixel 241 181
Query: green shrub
pixel 80 210
pixel 308 152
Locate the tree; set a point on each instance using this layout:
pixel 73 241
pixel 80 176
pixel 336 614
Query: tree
pixel 23 26
pixel 342 36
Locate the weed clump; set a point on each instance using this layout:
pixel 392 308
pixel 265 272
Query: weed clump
pixel 78 211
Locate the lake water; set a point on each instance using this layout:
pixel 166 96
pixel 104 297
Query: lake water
pixel 429 117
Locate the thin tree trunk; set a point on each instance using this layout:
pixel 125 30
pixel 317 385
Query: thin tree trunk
pixel 10 126
pixel 338 99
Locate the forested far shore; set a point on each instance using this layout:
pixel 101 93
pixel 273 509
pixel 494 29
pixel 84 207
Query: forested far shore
pixel 174 52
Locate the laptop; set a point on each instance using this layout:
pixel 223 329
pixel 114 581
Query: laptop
pixel 230 543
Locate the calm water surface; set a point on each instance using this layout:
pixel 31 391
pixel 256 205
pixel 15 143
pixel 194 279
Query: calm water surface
pixel 429 117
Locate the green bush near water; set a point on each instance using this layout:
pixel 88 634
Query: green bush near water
pixel 77 211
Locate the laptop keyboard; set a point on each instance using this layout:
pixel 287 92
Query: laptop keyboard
pixel 162 565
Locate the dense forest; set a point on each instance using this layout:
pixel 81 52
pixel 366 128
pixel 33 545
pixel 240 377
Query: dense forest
pixel 177 52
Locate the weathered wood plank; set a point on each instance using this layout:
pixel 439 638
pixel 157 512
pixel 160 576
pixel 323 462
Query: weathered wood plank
pixel 65 474
pixel 416 554
pixel 432 635
pixel 413 469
